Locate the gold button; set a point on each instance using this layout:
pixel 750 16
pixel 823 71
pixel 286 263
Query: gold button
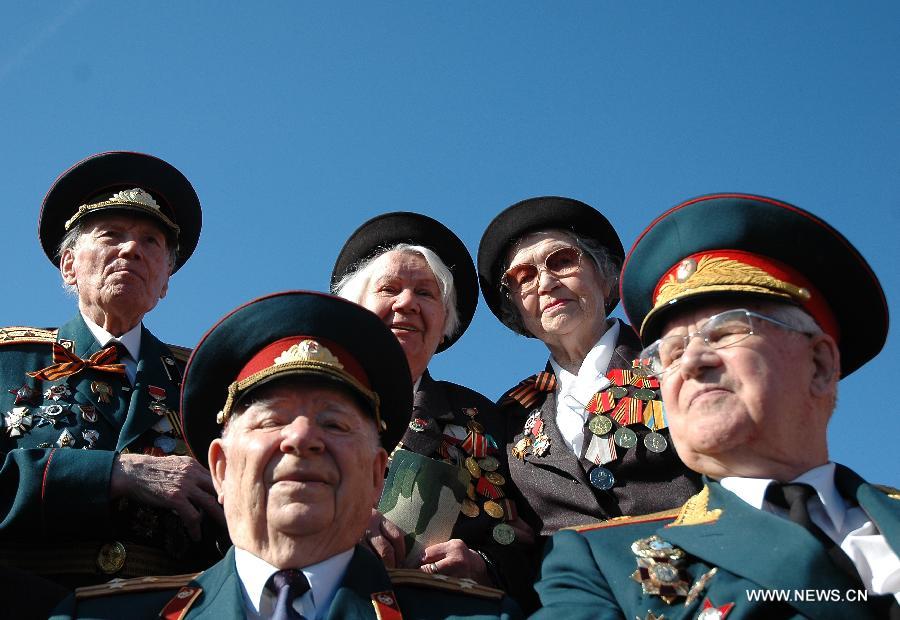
pixel 111 558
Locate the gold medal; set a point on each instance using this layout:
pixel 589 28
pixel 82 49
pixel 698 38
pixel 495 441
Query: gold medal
pixel 469 508
pixel 493 509
pixel 495 478
pixel 489 463
pixel 473 467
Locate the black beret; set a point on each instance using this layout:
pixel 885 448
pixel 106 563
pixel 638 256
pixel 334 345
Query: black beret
pixel 294 332
pixel 533 215
pixel 105 182
pixel 733 245
pixel 389 229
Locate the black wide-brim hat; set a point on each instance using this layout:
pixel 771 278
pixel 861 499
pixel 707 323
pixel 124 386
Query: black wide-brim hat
pixel 389 229
pixel 94 180
pixel 733 245
pixel 353 348
pixel 534 215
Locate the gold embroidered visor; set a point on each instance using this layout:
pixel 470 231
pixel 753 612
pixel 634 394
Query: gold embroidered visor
pixel 301 355
pixel 135 199
pixel 737 272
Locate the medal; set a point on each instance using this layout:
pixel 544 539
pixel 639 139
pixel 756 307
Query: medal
pixel 24 395
pixel 88 413
pixel 418 425
pixel 90 437
pixel 644 394
pixel 601 450
pixel 102 390
pixel 625 437
pixel 699 586
pixel 486 488
pixel 495 478
pixel 17 421
pixel 711 612
pixel 600 424
pixel 541 445
pixel 57 392
pixel 473 467
pixel 503 533
pixel 156 393
pixel 655 442
pixel 601 478
pixel 521 448
pixel 469 508
pixel 493 509
pixel 66 439
pixel 489 463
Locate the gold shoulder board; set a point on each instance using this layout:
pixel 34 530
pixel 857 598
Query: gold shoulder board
pixel 180 353
pixel 26 335
pixel 626 520
pixel 415 577
pixel 891 492
pixel 138 584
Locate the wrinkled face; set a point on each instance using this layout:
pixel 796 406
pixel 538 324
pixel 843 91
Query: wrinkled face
pixel 119 264
pixel 570 306
pixel 747 403
pixel 404 293
pixel 301 462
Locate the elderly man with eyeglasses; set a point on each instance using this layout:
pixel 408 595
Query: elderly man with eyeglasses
pixel 742 303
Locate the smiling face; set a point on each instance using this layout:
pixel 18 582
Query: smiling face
pixel 560 308
pixel 120 268
pixel 298 472
pixel 404 293
pixel 755 409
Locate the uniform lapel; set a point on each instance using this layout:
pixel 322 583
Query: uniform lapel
pixel 222 598
pixel 882 509
pixel 353 600
pixel 429 403
pixel 150 372
pixel 758 546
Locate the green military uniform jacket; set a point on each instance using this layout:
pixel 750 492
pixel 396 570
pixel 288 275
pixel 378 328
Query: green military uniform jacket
pixel 58 445
pixel 217 594
pixel 729 549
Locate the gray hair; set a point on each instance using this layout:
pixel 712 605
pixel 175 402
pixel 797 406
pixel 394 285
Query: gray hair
pixel 73 236
pixel 607 267
pixel 353 284
pixel 792 315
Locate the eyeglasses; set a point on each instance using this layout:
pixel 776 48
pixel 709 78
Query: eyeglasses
pixel 722 330
pixel 524 278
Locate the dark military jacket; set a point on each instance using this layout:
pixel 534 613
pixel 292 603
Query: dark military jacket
pixel 216 595
pixel 58 443
pixel 715 553
pixel 556 486
pixel 440 404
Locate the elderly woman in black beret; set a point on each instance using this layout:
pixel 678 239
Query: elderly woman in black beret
pixel 587 434
pixel 419 278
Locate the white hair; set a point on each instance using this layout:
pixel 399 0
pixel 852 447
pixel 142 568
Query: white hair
pixel 353 284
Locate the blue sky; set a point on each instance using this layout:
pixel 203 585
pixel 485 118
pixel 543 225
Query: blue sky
pixel 297 121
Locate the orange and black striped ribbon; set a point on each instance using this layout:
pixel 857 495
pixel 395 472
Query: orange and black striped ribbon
pixel 530 391
pixel 68 363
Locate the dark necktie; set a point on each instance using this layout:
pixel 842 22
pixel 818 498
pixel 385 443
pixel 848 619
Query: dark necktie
pixel 287 585
pixel 793 498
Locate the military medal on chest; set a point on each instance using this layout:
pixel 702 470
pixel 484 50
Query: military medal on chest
pixel 660 569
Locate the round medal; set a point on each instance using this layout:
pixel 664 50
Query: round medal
pixel 601 478
pixel 625 437
pixel 472 466
pixel 489 463
pixel 495 478
pixel 644 394
pixel 504 534
pixel 469 508
pixel 600 424
pixel 493 509
pixel 655 442
pixel 618 391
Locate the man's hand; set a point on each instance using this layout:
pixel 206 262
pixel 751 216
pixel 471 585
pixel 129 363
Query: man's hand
pixel 385 539
pixel 454 558
pixel 177 483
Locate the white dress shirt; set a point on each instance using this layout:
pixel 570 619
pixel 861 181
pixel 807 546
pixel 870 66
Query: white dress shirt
pixel 324 579
pixel 574 391
pixel 130 339
pixel 877 564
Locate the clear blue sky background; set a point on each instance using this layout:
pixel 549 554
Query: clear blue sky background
pixel 298 121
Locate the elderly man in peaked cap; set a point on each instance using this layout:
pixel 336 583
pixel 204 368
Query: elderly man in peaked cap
pixel 745 312
pixel 292 399
pixel 96 481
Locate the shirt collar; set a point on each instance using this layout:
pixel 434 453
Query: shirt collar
pixel 131 339
pixel 595 364
pixel 324 578
pixel 821 478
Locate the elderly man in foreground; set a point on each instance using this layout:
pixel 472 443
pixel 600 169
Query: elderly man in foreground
pixel 96 482
pixel 291 399
pixel 744 305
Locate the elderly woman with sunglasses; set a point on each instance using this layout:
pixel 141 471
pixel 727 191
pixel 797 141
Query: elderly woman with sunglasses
pixel 418 277
pixel 587 435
